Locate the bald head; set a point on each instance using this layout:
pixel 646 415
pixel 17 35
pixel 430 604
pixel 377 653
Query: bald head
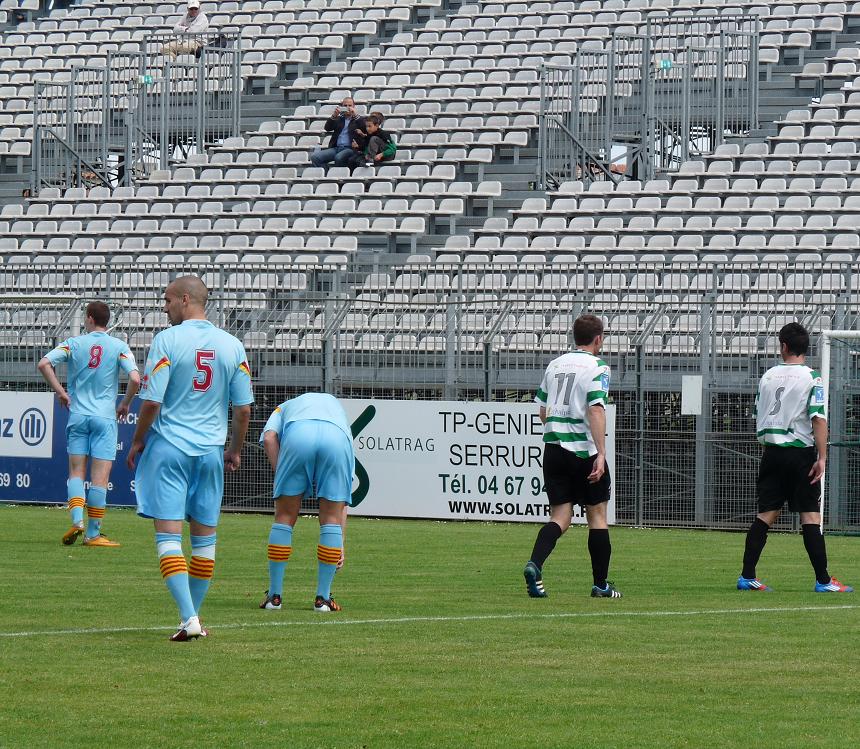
pixel 185 299
pixel 193 287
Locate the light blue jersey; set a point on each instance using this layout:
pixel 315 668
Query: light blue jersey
pixel 315 406
pixel 94 361
pixel 195 371
pixel 315 448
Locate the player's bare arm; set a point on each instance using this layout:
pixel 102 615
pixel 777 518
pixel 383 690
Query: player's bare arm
pixel 272 446
pixel 542 415
pixel 233 453
pixel 148 413
pixel 130 391
pixel 819 432
pixel 597 418
pixel 46 369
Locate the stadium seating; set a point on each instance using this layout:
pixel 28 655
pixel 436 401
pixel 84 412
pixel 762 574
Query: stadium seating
pixel 756 223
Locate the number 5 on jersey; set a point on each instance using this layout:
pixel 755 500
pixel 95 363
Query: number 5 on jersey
pixel 203 381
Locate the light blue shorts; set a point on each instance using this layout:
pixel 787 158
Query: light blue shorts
pixel 315 454
pixel 171 485
pixel 91 435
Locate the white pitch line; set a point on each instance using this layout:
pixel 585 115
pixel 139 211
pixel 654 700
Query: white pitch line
pixel 418 619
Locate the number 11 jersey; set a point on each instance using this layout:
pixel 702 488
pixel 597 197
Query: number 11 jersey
pixel 195 371
pixel 571 384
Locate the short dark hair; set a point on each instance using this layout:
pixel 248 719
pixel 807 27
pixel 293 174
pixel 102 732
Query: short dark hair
pixel 586 328
pixel 375 119
pixel 795 338
pixel 380 115
pixel 100 313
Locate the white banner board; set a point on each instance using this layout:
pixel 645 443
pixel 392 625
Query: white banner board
pixel 26 425
pixel 454 460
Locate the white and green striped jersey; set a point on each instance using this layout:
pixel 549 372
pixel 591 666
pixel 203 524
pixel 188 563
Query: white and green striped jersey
pixel 571 384
pixel 789 397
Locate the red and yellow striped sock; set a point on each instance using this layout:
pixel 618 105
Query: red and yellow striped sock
pixel 278 553
pixel 201 568
pixel 328 554
pixel 172 565
pixel 95 513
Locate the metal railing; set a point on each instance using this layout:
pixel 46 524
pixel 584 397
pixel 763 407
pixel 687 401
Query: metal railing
pixel 486 333
pixel 112 125
pixel 648 102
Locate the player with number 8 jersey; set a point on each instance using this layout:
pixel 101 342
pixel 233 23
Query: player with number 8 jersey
pixel 193 373
pixel 94 361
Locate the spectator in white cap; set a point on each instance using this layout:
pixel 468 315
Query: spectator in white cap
pixel 194 22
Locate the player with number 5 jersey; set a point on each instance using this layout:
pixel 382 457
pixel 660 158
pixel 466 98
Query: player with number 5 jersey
pixel 94 361
pixel 193 373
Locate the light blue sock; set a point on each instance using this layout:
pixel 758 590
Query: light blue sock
pixel 201 568
pixel 174 570
pixel 77 498
pixel 96 501
pixel 328 555
pixel 279 550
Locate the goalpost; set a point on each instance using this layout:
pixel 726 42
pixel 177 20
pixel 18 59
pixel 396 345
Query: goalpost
pixel 827 337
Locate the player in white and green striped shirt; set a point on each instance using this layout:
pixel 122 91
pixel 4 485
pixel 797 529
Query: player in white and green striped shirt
pixel 792 426
pixel 572 397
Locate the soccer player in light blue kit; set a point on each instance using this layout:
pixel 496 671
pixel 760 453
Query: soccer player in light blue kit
pixel 193 373
pixel 308 441
pixel 94 361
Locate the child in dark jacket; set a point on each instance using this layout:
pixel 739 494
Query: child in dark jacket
pixel 380 145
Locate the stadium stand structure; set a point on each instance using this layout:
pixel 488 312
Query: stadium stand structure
pixel 460 86
pixel 446 273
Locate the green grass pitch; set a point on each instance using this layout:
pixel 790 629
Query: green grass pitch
pixel 437 646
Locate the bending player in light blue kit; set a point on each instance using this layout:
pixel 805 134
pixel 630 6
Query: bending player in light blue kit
pixel 309 444
pixel 94 361
pixel 193 372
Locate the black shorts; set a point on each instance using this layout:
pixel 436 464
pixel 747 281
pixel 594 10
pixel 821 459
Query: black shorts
pixel 566 478
pixel 784 476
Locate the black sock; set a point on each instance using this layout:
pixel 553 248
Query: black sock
pixel 813 540
pixel 600 550
pixel 545 543
pixel 756 539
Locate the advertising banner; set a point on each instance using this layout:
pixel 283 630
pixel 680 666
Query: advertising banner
pixel 33 460
pixel 442 460
pixel 454 460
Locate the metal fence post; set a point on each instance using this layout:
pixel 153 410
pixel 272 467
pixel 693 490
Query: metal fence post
pixel 70 131
pixel 541 165
pixel 686 104
pixel 753 76
pixel 200 97
pixel 720 108
pixel 646 150
pixel 704 436
pixel 237 85
pixel 164 138
pixel 640 433
pixel 36 149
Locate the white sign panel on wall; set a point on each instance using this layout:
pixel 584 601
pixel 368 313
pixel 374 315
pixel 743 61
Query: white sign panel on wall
pixel 454 460
pixel 26 425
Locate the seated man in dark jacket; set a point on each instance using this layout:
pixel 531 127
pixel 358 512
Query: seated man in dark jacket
pixel 344 141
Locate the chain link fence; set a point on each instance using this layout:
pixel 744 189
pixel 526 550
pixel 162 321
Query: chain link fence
pixel 486 333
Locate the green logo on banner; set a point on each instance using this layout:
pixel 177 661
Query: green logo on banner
pixel 358 426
